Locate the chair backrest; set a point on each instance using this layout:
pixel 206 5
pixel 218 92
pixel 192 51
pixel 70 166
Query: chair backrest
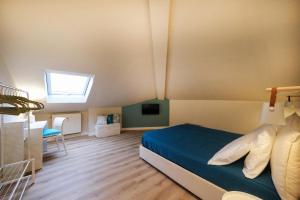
pixel 58 123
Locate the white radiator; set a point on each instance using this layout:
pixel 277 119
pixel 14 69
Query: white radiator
pixel 72 123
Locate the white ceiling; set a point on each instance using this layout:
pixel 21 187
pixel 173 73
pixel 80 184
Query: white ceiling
pixel 217 49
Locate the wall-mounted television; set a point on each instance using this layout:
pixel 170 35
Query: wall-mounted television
pixel 150 109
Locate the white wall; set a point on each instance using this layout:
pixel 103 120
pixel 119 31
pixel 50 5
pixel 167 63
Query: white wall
pixel 5 76
pixel 235 116
pixel 47 116
pixel 88 117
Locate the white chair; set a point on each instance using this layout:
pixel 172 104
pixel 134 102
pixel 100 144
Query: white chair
pixel 56 132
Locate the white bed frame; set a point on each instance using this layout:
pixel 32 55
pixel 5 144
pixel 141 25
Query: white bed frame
pixel 195 184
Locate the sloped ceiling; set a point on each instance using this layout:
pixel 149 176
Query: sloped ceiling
pixel 110 39
pixel 4 74
pixel 216 49
pixel 232 49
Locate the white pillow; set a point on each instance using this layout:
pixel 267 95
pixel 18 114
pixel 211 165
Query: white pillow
pixel 291 108
pixel 101 120
pixel 293 121
pixel 285 161
pixel 260 152
pixel 235 149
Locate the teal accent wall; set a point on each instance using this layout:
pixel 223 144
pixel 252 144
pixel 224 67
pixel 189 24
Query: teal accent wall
pixel 132 115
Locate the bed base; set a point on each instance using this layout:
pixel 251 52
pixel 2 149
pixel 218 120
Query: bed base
pixel 195 184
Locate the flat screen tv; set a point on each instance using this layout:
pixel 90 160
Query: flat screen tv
pixel 150 109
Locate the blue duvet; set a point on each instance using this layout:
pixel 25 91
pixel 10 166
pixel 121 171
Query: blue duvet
pixel 191 146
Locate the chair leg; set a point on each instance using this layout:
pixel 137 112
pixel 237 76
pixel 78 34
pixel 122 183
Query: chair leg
pixel 63 141
pixel 56 139
pixel 45 145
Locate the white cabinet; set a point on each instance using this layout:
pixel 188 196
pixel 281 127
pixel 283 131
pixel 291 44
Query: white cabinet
pixel 107 130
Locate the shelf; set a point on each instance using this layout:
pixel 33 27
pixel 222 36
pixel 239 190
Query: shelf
pixel 15 190
pixel 12 180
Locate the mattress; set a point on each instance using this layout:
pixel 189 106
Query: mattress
pixel 191 146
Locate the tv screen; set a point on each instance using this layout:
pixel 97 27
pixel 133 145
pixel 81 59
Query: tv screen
pixel 150 109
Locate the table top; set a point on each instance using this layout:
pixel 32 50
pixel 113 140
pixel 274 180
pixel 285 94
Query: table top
pixel 38 124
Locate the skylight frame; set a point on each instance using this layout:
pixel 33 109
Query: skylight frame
pixel 67 97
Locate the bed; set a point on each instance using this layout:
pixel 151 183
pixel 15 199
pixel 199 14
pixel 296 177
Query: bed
pixel 181 152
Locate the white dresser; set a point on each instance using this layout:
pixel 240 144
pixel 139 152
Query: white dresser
pixel 107 130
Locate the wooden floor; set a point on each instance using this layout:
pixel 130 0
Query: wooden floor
pixel 107 168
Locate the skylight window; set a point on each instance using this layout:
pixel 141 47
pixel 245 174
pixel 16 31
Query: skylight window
pixel 66 87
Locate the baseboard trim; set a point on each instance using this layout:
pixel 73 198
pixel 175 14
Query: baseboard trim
pixel 143 128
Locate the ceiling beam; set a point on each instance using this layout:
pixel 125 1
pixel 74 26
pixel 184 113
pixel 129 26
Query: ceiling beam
pixel 159 21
